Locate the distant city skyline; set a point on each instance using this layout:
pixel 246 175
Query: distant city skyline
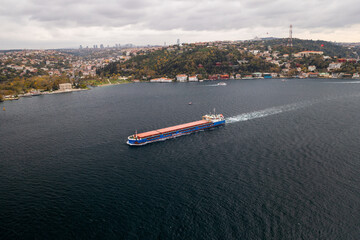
pixel 39 24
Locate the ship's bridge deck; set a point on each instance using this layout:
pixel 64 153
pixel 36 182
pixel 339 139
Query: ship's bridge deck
pixel 171 129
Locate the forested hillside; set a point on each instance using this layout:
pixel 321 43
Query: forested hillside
pixel 220 59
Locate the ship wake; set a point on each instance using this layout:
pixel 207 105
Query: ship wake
pixel 267 112
pixel 347 82
pixel 284 108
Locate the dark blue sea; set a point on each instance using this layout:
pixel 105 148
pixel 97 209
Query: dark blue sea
pixel 285 166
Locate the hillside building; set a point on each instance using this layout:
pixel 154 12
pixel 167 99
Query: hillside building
pixel 312 68
pixel 308 53
pixel 334 66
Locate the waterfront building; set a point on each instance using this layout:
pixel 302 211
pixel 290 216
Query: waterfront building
pixel 213 77
pixel 193 78
pixel 257 75
pixel 267 75
pixel 324 75
pixel 181 78
pixel 224 76
pixel 313 75
pixel 65 86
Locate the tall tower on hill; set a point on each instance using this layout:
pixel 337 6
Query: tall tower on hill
pixel 290 42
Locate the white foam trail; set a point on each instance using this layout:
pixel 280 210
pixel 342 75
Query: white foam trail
pixel 352 82
pixel 267 112
pixel 285 108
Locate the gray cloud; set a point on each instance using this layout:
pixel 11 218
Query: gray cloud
pixel 185 15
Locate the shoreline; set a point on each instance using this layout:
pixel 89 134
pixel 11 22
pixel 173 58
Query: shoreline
pixel 14 97
pixel 110 84
pixel 17 97
pixel 64 91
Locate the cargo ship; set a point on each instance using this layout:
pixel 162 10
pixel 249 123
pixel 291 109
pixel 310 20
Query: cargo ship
pixel 208 121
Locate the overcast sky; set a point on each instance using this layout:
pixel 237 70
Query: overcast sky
pixel 69 23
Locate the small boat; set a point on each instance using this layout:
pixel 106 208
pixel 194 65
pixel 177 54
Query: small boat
pixel 221 84
pixel 190 103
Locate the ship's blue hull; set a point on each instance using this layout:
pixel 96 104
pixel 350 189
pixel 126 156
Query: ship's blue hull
pixel 162 137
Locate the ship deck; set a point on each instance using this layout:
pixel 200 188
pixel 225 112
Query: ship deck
pixel 171 129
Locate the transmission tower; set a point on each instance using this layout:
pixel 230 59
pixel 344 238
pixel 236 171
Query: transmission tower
pixel 290 42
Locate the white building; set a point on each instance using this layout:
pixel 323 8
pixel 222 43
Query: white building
pixel 193 78
pixel 254 51
pixel 312 68
pixel 334 65
pixel 308 53
pixel 242 61
pixel 181 78
pixel 257 75
pixel 65 86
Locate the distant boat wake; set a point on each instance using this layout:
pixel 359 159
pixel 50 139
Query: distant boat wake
pixel 267 112
pixel 348 82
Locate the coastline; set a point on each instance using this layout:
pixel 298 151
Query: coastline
pixel 64 91
pixel 17 97
pixel 108 82
pixel 14 97
pixel 111 84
